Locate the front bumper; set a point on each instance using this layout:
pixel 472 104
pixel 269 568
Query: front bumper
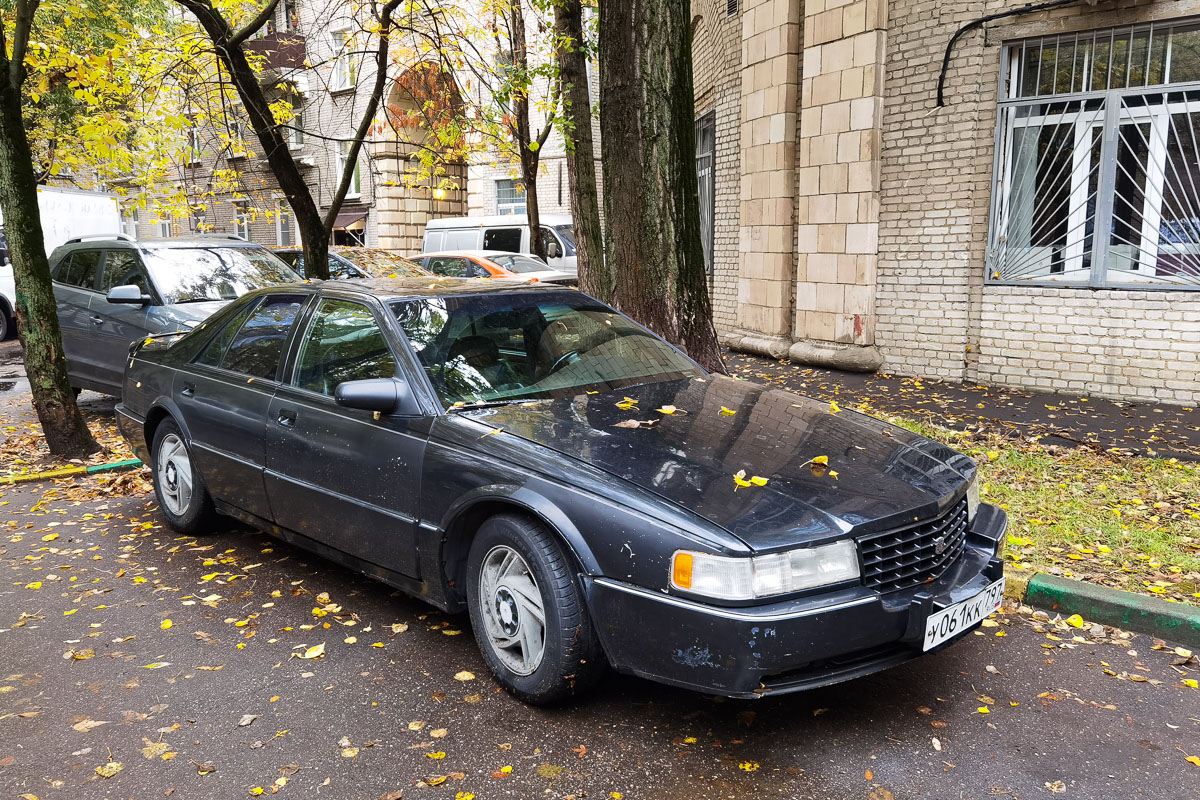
pixel 791 645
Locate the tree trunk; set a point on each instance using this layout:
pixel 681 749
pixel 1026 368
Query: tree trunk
pixel 313 233
pixel 651 202
pixel 530 155
pixel 66 432
pixel 594 276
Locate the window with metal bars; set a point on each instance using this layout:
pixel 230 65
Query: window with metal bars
pixel 1097 170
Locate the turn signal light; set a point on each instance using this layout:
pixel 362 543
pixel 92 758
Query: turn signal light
pixel 682 572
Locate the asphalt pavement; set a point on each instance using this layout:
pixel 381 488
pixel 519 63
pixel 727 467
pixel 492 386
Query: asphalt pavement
pixel 175 666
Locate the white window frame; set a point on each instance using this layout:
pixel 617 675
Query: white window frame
pixel 163 228
pixel 1102 112
pixel 285 221
pixel 354 191
pixel 295 133
pixel 241 219
pixel 341 77
pixel 129 221
pixel 191 153
pixel 520 206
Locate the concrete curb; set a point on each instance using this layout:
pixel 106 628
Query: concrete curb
pixel 112 466
pixel 1178 622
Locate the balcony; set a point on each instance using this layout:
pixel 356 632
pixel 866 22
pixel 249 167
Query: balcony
pixel 283 52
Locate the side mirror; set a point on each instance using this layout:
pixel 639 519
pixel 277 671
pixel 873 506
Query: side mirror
pixel 553 249
pixel 129 294
pixel 382 395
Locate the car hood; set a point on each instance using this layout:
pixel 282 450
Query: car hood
pixel 551 275
pixel 885 476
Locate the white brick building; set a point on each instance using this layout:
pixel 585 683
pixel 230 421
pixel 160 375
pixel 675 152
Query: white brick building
pixel 1040 230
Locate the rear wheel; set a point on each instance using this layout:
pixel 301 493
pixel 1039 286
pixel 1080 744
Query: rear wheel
pixel 7 326
pixel 528 612
pixel 181 493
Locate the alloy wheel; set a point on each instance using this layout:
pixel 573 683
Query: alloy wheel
pixel 514 616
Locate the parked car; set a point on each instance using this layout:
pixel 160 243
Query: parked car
pixel 494 264
pixel 8 293
pixel 585 490
pixel 508 233
pixel 112 290
pixel 356 262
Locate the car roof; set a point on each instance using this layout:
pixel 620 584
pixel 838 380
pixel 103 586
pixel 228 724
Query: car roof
pixel 404 288
pixel 172 242
pixel 478 254
pixel 504 221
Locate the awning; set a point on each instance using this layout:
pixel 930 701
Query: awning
pixel 350 220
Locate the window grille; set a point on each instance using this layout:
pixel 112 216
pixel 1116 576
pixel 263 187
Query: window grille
pixel 1097 170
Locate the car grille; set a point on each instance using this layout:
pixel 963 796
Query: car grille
pixel 909 557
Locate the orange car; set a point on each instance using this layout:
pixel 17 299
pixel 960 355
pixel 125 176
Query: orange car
pixel 493 264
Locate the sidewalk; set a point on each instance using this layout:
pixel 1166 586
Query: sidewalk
pixel 1135 427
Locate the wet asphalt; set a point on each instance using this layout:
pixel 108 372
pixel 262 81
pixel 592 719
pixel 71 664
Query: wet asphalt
pixel 89 584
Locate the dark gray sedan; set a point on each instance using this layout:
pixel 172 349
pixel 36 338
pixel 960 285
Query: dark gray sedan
pixel 587 492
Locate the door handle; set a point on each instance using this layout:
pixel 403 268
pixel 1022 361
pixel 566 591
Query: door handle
pixel 188 389
pixel 97 320
pixel 286 417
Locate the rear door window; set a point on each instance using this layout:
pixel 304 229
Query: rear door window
pixel 79 269
pixel 257 347
pixel 507 239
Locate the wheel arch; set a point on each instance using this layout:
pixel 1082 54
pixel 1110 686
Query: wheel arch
pixel 162 410
pixel 468 515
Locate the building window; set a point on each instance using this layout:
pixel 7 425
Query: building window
pixel 510 197
pixel 241 218
pixel 283 225
pixel 191 153
pixel 291 15
pixel 237 140
pixel 343 155
pixel 706 137
pixel 295 131
pixel 199 220
pixel 163 228
pixel 129 221
pixel 343 62
pixel 1097 170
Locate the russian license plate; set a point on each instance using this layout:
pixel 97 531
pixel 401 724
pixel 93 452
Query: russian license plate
pixel 953 620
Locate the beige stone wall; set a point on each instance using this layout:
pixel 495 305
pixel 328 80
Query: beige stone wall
pixel 837 181
pixel 770 71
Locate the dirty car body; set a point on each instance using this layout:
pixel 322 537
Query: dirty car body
pixel 615 445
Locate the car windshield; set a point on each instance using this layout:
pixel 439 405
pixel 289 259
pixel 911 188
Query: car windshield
pixel 199 274
pixel 516 263
pixel 517 345
pixel 381 263
pixel 567 234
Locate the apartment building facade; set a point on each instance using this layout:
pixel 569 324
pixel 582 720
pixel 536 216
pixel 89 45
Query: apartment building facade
pixel 318 57
pixel 1037 228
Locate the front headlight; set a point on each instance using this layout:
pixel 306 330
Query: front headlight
pixel 729 578
pixel 972 498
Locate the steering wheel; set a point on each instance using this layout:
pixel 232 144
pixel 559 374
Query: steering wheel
pixel 568 357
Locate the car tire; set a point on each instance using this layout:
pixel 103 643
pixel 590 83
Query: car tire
pixel 187 506
pixel 8 326
pixel 516 569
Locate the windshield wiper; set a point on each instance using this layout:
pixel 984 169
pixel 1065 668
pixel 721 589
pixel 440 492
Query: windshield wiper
pixel 492 404
pixel 199 300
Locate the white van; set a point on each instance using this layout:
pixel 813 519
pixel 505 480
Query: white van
pixel 509 233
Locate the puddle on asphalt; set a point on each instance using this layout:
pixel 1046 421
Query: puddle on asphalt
pixel 9 387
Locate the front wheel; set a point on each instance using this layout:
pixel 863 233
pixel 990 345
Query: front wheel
pixel 528 612
pixel 180 491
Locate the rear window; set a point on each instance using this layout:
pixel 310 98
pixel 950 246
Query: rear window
pixel 257 346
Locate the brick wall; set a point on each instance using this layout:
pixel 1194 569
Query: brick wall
pixel 935 315
pixel 716 53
